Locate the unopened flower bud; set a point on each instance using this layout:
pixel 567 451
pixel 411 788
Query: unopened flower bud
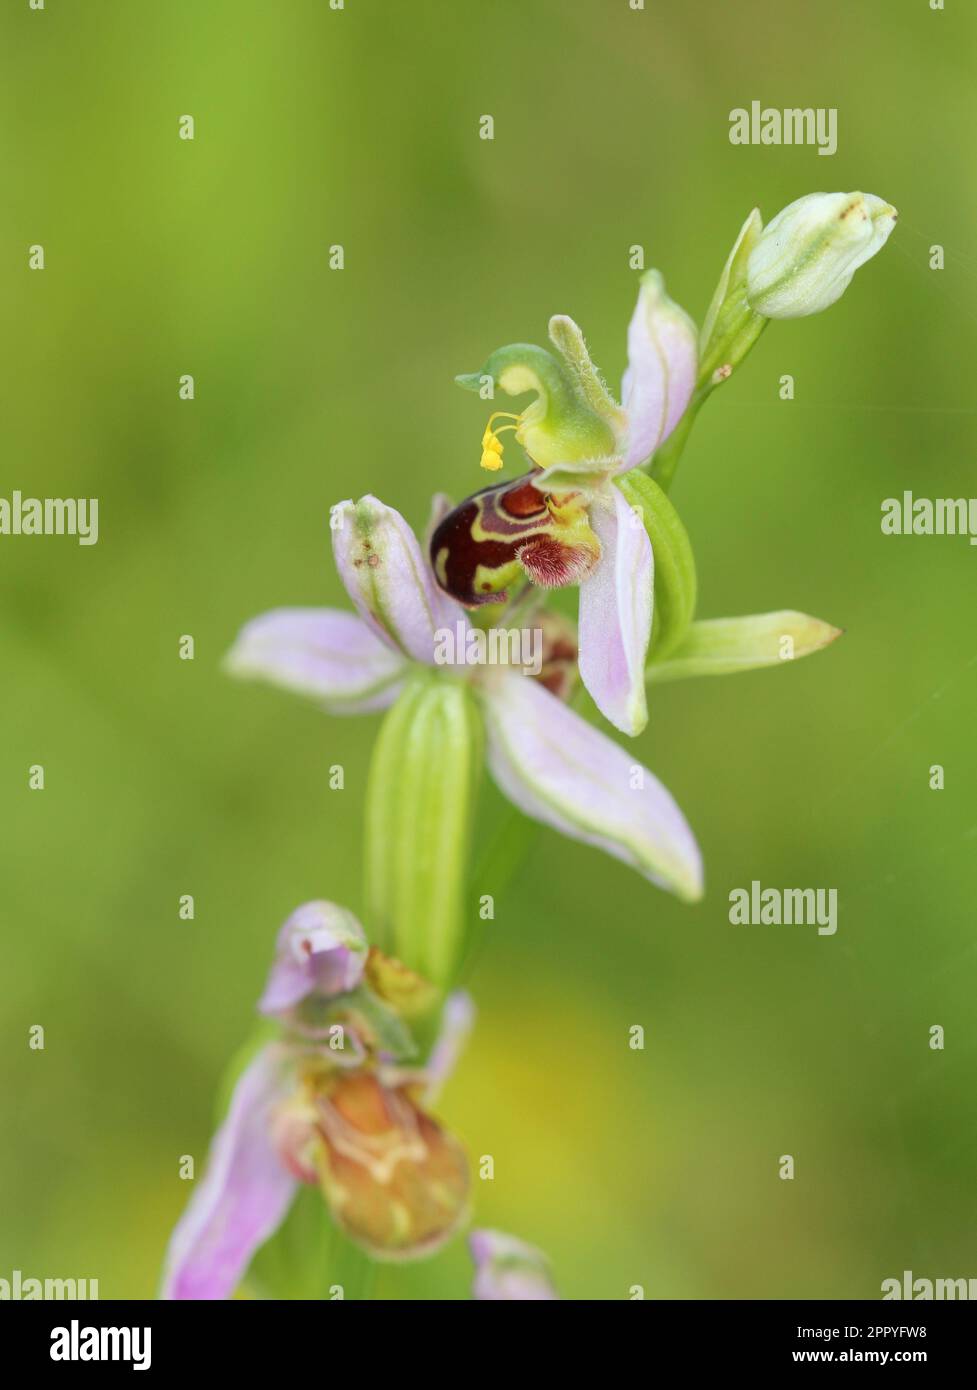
pixel 806 256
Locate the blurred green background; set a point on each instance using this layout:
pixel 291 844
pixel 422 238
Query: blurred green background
pixel 164 257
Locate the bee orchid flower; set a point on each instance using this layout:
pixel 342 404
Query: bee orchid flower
pixel 337 1102
pixel 584 515
pixel 552 764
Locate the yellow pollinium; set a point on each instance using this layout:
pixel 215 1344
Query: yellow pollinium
pixel 491 444
pixel 492 458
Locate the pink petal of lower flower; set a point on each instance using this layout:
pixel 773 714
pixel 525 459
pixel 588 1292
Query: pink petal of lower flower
pixel 244 1194
pixel 457 1021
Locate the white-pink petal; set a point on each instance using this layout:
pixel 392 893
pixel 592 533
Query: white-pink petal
pixel 560 770
pixel 616 605
pixel 661 371
pixel 323 653
pixel 389 580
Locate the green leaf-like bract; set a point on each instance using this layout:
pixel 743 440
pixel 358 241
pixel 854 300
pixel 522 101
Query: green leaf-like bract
pixel 423 781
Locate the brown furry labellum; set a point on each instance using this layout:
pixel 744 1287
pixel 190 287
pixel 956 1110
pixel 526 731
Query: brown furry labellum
pixel 512 529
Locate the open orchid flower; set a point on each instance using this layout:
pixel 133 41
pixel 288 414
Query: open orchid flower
pixel 335 1102
pixel 568 522
pixel 506 1269
pixel 551 763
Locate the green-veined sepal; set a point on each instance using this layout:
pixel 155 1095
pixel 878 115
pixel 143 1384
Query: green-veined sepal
pixel 721 646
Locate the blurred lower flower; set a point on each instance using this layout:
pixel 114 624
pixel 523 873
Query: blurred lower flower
pixel 506 1269
pixel 337 1101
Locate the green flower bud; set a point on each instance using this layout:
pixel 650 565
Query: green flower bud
pixel 807 255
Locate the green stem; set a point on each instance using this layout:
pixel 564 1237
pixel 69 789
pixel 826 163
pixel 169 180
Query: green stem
pixel 743 328
pixel 309 1258
pixel 666 459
